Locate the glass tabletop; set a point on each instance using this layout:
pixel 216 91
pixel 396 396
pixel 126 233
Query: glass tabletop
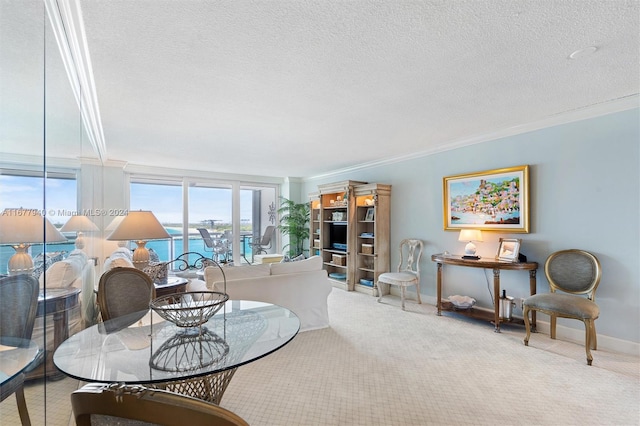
pixel 143 348
pixel 15 356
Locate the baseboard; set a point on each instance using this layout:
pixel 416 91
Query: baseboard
pixel 569 334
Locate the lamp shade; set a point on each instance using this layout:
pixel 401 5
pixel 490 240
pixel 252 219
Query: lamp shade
pixel 470 235
pixel 139 226
pixel 22 227
pixel 114 223
pixel 27 226
pixel 79 224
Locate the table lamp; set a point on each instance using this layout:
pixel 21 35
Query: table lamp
pixel 21 228
pixel 79 224
pixel 113 225
pixel 139 226
pixel 470 235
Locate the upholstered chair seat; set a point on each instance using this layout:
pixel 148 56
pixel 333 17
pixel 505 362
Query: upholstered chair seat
pixel 564 304
pixel 573 277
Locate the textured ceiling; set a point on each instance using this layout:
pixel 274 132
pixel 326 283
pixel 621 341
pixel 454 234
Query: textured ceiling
pixel 301 88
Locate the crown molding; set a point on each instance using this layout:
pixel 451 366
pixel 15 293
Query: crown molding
pixel 195 174
pixel 38 162
pixel 592 111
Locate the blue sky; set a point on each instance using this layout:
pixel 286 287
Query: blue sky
pixel 26 192
pixel 164 200
pixel 204 203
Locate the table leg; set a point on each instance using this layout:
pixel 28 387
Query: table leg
pixel 60 328
pixel 496 296
pixel 532 291
pixel 439 289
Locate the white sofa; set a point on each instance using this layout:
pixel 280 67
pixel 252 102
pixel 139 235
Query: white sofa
pixel 302 287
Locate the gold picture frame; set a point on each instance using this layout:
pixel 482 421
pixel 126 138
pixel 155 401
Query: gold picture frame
pixel 492 200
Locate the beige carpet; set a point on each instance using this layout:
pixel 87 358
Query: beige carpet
pixel 378 365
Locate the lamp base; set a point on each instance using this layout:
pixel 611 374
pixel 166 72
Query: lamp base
pixel 141 255
pixel 470 249
pixel 466 257
pixel 79 241
pixel 21 262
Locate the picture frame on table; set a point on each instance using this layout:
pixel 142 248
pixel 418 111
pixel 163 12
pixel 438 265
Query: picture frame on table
pixel 370 216
pixel 508 249
pixel 491 200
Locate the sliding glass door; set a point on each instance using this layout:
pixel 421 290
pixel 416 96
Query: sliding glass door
pixel 258 211
pixel 210 209
pixel 219 220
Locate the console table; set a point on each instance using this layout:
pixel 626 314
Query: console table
pixel 56 301
pixel 496 266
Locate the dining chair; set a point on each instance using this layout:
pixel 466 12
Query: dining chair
pixel 111 404
pixel 264 243
pixel 18 307
pixel 572 274
pixel 123 291
pixel 408 272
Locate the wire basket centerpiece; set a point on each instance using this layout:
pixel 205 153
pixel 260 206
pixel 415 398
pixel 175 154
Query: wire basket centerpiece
pixel 189 352
pixel 189 309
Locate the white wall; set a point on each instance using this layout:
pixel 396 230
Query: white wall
pixel 585 188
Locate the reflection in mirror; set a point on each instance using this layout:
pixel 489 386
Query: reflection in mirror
pixel 42 147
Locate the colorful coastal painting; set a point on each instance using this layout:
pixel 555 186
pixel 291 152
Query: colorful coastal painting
pixel 492 200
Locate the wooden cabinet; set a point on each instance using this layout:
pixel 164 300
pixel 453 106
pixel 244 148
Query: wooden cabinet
pixel 350 231
pixel 314 224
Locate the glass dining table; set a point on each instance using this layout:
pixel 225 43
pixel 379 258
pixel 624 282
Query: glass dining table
pixel 15 355
pixel 142 348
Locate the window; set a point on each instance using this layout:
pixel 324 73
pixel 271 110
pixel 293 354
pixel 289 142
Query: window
pixel 209 205
pixel 164 199
pixel 55 196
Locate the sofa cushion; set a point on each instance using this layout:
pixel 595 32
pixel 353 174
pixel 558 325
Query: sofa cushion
pixel 64 272
pixel 121 257
pixel 305 294
pixel 43 261
pixel 212 274
pixel 314 263
pixel 118 262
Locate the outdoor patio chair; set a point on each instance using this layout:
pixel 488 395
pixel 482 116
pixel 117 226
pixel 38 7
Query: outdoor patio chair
pixel 264 243
pixel 219 247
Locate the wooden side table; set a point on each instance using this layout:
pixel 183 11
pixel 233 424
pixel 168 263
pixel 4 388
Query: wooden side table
pixel 56 301
pixel 496 266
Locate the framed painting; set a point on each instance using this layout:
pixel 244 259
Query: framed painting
pixel 493 200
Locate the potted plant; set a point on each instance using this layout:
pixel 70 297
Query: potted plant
pixel 294 221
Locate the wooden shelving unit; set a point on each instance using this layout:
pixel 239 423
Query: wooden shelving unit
pixel 340 227
pixel 315 224
pixel 373 203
